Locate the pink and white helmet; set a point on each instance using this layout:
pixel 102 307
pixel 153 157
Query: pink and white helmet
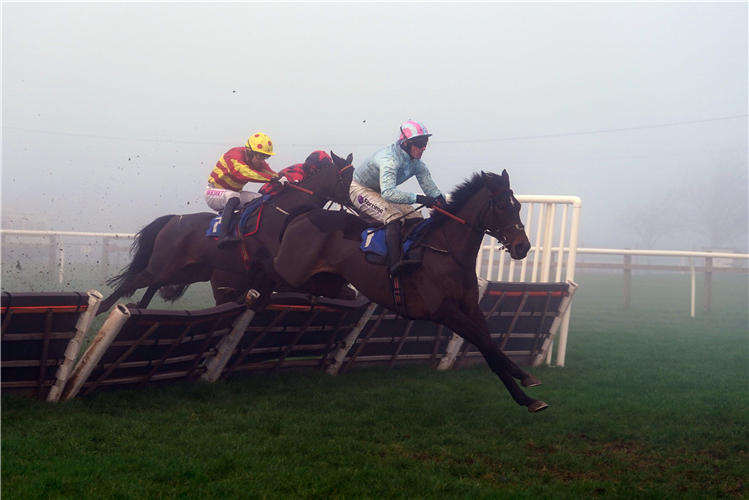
pixel 412 129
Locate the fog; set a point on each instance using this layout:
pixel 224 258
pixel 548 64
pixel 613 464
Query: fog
pixel 114 113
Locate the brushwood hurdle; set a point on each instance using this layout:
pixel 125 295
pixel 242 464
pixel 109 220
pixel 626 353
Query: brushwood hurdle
pixel 42 335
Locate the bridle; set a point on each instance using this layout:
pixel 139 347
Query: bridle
pixel 503 240
pixel 346 202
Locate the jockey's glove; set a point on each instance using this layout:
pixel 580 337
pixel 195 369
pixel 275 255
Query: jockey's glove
pixel 441 201
pixel 282 180
pixel 427 201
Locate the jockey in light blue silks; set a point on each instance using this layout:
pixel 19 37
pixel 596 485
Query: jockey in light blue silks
pixel 374 187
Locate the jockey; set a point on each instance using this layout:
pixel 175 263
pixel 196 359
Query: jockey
pixel 374 186
pixel 295 173
pixel 234 169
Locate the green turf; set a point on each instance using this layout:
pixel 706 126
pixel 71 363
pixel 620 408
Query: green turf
pixel 651 404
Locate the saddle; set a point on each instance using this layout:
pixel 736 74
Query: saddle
pixel 412 234
pixel 249 221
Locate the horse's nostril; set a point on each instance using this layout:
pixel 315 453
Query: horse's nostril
pixel 521 250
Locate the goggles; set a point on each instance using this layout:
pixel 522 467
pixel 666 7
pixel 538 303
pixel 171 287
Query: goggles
pixel 420 142
pixel 261 156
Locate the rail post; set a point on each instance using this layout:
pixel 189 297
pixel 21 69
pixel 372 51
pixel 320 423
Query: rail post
pixel 708 284
pixel 52 256
pixel 627 279
pixel 104 258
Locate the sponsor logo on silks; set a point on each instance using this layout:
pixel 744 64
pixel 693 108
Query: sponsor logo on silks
pixel 215 192
pixel 363 201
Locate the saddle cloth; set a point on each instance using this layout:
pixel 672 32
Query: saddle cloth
pixel 373 241
pixel 250 212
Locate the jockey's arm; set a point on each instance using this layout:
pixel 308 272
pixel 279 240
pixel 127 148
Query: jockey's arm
pixel 388 183
pixel 252 175
pixel 426 183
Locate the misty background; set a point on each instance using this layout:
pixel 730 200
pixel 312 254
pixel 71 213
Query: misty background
pixel 114 114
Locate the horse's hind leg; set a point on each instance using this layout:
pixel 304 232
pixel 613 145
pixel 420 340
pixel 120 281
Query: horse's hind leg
pixel 148 296
pixel 501 365
pixel 107 303
pixel 131 284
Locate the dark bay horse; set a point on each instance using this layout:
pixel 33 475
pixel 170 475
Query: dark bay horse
pixel 444 289
pixel 174 249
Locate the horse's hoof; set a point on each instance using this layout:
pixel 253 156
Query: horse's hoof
pixel 251 298
pixel 530 381
pixel 537 406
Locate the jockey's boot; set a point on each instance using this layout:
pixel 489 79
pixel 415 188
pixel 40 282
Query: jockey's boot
pixel 227 238
pixel 393 244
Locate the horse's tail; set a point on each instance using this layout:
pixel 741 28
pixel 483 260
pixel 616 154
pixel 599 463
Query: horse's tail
pixel 172 292
pixel 140 251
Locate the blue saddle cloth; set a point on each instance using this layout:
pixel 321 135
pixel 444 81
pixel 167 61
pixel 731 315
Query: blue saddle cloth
pixel 374 241
pixel 214 228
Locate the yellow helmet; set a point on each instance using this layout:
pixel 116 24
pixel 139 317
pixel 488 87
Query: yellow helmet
pixel 260 143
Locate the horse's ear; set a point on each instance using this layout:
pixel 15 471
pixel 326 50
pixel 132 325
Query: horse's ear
pixel 506 177
pixel 337 160
pixel 350 159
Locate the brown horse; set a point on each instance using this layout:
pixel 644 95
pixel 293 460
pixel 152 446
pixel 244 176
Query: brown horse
pixel 174 249
pixel 444 289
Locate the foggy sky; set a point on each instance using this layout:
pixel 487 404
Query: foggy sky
pixel 113 114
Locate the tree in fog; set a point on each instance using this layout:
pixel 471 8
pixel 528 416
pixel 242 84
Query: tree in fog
pixel 717 205
pixel 651 220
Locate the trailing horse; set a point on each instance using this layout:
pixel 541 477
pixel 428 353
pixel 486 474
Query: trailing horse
pixel 444 289
pixel 174 249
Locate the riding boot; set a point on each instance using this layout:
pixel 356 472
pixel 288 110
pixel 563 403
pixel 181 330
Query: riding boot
pixel 227 238
pixel 393 244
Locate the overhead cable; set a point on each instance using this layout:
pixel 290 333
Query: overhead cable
pixel 463 141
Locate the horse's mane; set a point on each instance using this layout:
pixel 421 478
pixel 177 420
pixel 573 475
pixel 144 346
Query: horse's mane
pixel 464 192
pixel 310 172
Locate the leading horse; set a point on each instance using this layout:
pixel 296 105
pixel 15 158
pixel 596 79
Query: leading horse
pixel 174 249
pixel 444 289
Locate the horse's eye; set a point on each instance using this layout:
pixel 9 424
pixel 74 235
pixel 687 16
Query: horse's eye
pixel 501 206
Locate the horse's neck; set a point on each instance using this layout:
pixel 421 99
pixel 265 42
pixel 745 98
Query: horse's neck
pixel 464 240
pixel 321 183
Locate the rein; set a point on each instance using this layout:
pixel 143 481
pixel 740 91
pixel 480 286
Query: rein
pixel 518 227
pixel 328 198
pixel 503 240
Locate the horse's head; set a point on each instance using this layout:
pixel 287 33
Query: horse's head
pixel 328 178
pixel 502 219
pixel 345 176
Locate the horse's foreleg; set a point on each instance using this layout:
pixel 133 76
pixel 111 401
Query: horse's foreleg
pixel 452 317
pixel 526 379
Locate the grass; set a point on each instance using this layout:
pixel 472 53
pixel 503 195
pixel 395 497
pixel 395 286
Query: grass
pixel 651 404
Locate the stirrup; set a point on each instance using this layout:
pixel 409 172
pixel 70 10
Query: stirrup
pixel 228 239
pixel 396 268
